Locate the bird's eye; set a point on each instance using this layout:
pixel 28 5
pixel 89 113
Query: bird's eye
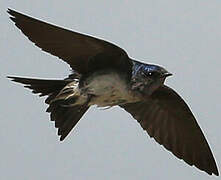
pixel 150 73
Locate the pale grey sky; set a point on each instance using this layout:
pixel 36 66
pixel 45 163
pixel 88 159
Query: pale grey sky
pixel 182 36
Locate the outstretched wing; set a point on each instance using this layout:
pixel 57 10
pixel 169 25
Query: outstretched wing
pixel 83 53
pixel 168 119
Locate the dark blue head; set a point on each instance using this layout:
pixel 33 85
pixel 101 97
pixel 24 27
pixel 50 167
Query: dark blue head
pixel 148 77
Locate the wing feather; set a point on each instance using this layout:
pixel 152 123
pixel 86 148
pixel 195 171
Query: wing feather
pixel 82 52
pixel 168 119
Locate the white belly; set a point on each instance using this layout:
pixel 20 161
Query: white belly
pixel 109 90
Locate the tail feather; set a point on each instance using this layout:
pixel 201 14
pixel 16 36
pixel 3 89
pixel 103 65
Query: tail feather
pixel 66 118
pixel 64 115
pixel 42 87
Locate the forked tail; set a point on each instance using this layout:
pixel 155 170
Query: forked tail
pixel 65 117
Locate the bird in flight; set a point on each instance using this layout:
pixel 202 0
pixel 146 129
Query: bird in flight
pixel 104 75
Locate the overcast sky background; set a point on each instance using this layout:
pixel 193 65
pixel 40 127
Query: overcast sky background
pixel 182 36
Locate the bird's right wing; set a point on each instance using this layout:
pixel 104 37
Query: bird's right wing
pixel 83 53
pixel 168 119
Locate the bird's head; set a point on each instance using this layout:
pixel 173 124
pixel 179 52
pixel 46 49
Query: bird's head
pixel 147 78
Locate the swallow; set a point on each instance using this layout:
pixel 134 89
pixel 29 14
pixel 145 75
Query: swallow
pixel 104 75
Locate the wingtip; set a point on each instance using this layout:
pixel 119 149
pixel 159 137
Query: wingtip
pixel 11 11
pixel 16 79
pixel 12 14
pixel 62 138
pixel 216 172
pixel 214 168
pixel 12 18
pixel 10 77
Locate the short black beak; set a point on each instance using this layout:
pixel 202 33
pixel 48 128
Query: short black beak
pixel 167 74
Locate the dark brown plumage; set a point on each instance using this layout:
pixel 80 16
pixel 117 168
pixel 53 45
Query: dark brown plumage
pixel 167 118
pixel 78 50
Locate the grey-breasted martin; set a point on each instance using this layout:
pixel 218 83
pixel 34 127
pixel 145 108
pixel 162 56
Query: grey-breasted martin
pixel 105 76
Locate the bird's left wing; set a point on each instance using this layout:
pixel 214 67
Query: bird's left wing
pixel 168 119
pixel 82 52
